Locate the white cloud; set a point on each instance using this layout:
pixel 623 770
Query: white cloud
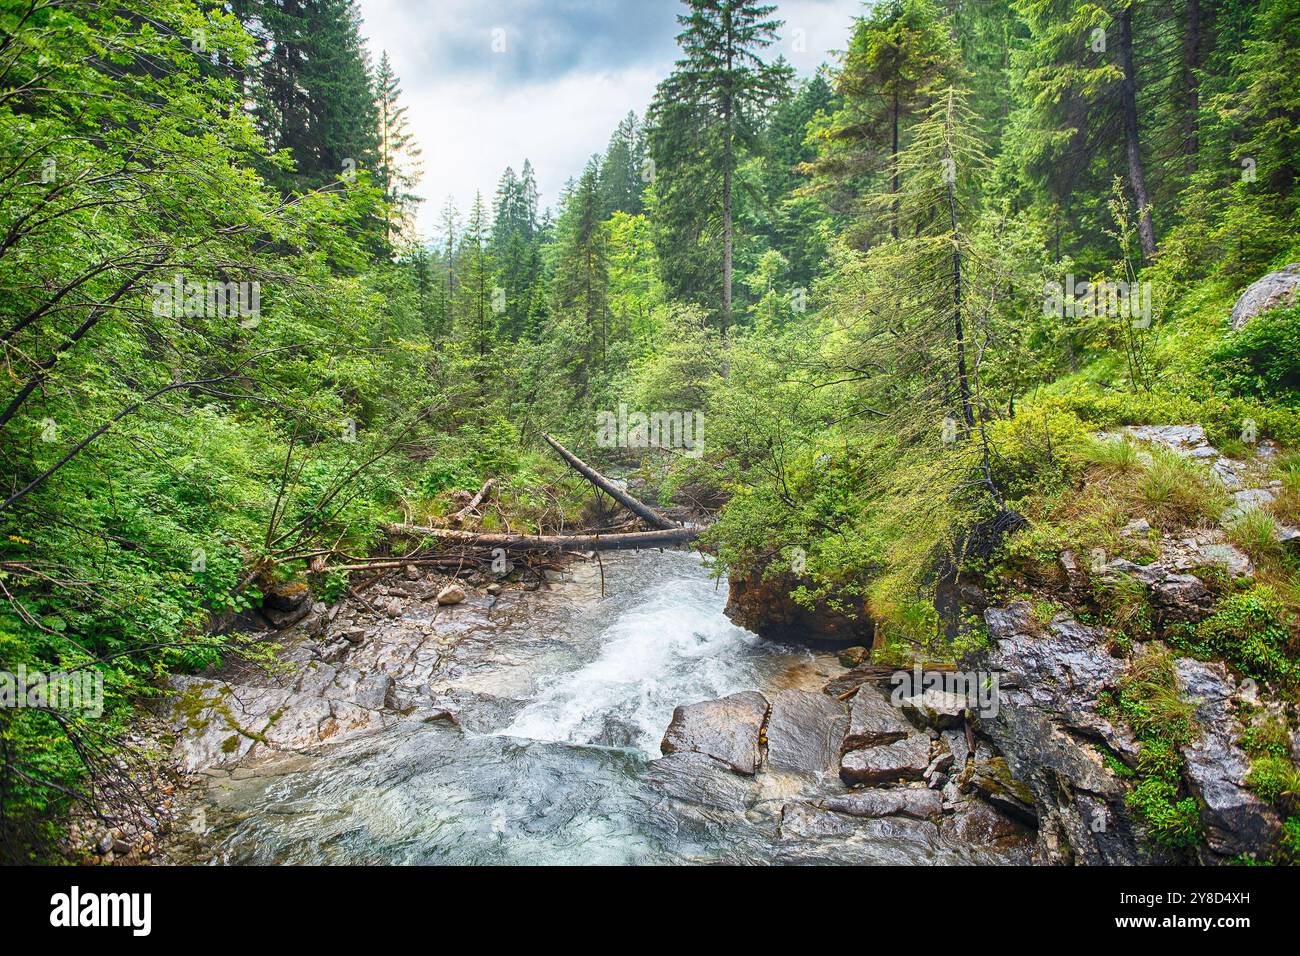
pixel 572 69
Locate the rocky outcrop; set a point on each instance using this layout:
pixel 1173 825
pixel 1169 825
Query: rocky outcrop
pixel 873 720
pixel 1175 596
pixel 727 730
pixel 1277 289
pixel 1236 821
pixel 1244 482
pixel 804 731
pixel 1047 727
pixel 762 604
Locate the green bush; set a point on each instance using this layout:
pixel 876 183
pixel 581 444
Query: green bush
pixel 1273 778
pixel 1249 631
pixel 1261 359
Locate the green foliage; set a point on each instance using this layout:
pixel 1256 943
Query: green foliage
pixel 1250 631
pixel 1290 842
pixel 1274 778
pixel 1261 360
pixel 1148 700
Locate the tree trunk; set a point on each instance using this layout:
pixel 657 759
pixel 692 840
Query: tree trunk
pixel 726 223
pixel 667 538
pixel 894 184
pixel 959 332
pixel 477 500
pixel 1191 104
pixel 634 505
pixel 1128 104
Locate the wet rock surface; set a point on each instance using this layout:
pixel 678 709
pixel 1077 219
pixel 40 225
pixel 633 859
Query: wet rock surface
pixel 915 802
pixel 805 731
pixel 727 730
pixel 1046 730
pixel 1236 821
pixel 904 759
pixel 763 605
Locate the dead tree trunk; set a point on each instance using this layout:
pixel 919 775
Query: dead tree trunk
pixel 634 505
pixel 666 538
pixel 477 500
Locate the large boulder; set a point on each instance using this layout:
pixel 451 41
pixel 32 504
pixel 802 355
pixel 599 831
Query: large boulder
pixel 727 730
pixel 694 778
pixel 1050 685
pixel 1277 289
pixel 762 604
pixel 805 731
pixel 874 720
pixel 1236 821
pixel 905 759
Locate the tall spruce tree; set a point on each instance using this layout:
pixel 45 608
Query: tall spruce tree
pixel 899 54
pixel 399 167
pixel 311 87
pixel 704 117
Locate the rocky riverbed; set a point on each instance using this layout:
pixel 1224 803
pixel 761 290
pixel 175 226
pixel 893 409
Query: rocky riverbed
pixel 557 725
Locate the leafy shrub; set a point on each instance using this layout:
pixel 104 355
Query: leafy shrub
pixel 1290 842
pixel 1261 359
pixel 1249 631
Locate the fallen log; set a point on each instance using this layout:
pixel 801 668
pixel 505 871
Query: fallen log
pixel 634 505
pixel 628 541
pixel 477 500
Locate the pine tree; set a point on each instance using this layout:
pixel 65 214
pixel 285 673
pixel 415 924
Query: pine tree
pixel 399 167
pixel 705 115
pixel 898 56
pixel 473 298
pixel 580 288
pixel 622 169
pixel 311 87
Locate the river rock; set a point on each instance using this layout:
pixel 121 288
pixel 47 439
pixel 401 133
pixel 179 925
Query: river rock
pixel 893 839
pixel 974 821
pixel 958 747
pixel 904 759
pixel 286 597
pixel 1236 821
pixel 761 603
pixel 854 656
pixel 874 720
pixel 727 729
pixel 452 594
pixel 804 731
pixel 699 779
pixel 938 709
pixel 993 780
pixel 1277 289
pixel 902 801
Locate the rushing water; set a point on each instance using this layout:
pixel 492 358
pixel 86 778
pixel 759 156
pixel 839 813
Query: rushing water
pixel 555 764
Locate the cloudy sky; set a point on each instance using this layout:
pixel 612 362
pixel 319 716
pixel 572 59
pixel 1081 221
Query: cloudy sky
pixel 490 82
